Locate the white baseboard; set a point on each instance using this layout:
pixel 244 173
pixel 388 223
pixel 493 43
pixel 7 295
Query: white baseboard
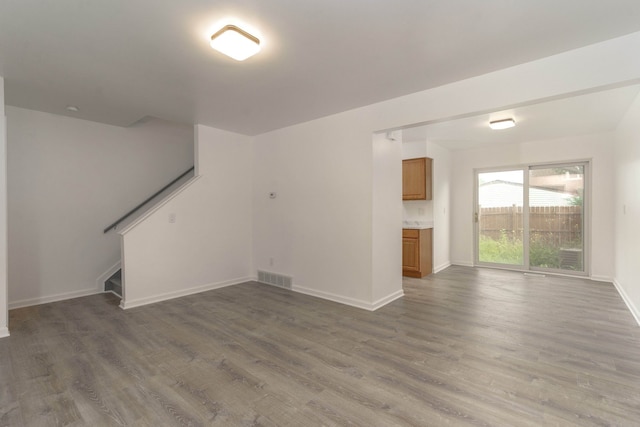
pixel 441 267
pixel 353 302
pixel 127 304
pixel 105 276
pixel 630 305
pixel 386 300
pixel 462 263
pixel 53 298
pixel 4 332
pixel 602 279
pixel 341 299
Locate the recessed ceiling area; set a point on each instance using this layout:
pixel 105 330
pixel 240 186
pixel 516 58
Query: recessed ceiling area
pixel 577 115
pixel 119 61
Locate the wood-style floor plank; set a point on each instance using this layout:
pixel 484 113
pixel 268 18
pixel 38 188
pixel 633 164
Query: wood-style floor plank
pixel 464 347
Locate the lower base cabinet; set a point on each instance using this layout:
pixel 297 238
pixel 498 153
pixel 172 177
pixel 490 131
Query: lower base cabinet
pixel 417 252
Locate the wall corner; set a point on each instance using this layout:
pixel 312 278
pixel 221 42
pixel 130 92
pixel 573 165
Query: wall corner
pixel 196 150
pixel 4 288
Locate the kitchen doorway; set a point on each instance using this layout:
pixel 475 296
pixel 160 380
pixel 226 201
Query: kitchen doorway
pixel 532 218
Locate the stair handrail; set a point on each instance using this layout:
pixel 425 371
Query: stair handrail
pixel 137 208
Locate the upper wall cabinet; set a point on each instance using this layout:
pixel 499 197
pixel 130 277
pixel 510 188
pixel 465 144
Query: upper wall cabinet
pixel 416 179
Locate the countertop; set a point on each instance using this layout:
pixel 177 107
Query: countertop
pixel 416 225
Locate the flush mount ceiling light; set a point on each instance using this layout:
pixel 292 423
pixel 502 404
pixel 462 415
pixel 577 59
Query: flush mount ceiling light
pixel 502 124
pixel 72 108
pixel 235 42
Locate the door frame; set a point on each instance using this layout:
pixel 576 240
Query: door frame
pixel 476 213
pixel 586 218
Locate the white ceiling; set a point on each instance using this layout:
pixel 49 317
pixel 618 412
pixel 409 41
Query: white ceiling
pixel 122 60
pixel 578 115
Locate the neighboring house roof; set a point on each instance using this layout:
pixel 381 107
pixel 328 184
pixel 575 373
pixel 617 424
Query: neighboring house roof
pixel 495 194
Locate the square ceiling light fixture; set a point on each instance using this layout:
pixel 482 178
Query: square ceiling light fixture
pixel 235 42
pixel 502 124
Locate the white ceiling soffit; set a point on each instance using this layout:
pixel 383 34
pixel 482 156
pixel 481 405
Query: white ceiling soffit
pixel 578 115
pixel 122 60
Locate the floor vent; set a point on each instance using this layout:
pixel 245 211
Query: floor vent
pixel 274 279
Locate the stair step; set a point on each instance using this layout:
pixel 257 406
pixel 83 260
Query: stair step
pixel 114 283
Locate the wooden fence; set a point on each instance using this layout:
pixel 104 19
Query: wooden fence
pixel 559 226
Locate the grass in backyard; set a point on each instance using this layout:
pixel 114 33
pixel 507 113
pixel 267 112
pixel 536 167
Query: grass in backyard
pixel 505 250
pixel 508 250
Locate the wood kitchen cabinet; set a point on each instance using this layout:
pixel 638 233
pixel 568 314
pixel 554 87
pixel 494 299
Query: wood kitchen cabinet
pixel 417 179
pixel 417 248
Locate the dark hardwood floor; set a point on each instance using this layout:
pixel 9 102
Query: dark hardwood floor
pixel 464 347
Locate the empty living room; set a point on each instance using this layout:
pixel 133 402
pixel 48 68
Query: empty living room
pixel 319 214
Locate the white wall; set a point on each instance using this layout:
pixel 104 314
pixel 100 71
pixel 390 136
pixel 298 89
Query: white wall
pixel 387 221
pixel 627 208
pixel 414 149
pixel 596 147
pixel 4 298
pixel 319 230
pixel 70 178
pixel 441 208
pixel 209 243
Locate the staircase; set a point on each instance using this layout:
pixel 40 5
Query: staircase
pixel 114 283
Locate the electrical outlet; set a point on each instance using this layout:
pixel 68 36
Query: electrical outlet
pixel 172 218
pixel 271 262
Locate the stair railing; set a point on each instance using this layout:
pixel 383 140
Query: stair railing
pixel 137 208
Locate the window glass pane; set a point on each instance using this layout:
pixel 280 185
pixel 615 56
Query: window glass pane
pixel 556 216
pixel 500 220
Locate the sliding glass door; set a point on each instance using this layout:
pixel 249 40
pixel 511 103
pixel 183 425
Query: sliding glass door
pixel 532 218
